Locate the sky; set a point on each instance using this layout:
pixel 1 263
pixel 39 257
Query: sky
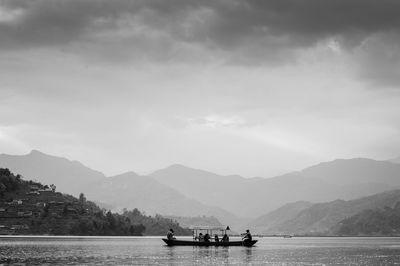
pixel 248 87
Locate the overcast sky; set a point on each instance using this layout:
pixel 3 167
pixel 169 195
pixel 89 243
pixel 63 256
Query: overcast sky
pixel 249 87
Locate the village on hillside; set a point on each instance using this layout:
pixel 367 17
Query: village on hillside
pixel 22 212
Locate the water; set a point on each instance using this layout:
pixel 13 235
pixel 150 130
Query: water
pixel 152 251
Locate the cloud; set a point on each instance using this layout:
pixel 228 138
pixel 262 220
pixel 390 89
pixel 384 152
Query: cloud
pixel 378 60
pixel 238 32
pixel 251 27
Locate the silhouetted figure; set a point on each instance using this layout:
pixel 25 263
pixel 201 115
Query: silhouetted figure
pixel 201 237
pixel 247 236
pixel 207 238
pixel 225 238
pixel 216 238
pixel 170 234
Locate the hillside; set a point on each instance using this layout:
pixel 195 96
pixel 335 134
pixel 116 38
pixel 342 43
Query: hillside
pixel 28 207
pixel 127 190
pixel 130 190
pixel 355 171
pixel 378 222
pixel 69 176
pixel 321 217
pixel 188 222
pixel 395 160
pixel 183 191
pixel 344 179
pixel 264 223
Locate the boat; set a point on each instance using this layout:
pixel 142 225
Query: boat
pixel 176 242
pixel 208 230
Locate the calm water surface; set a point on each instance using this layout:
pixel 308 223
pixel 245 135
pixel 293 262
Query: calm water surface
pixel 152 251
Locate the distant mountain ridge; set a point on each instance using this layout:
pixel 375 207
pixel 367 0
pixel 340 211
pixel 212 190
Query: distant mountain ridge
pixel 128 190
pixel 69 176
pixel 395 160
pixel 321 217
pixel 274 218
pixel 134 191
pixel 183 191
pixel 29 208
pixel 251 197
pixel 371 222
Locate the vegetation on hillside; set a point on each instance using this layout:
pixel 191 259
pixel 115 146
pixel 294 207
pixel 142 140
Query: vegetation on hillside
pixel 196 221
pixel 378 222
pixel 28 207
pixel 155 225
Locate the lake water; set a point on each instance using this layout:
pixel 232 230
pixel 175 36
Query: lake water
pixel 152 251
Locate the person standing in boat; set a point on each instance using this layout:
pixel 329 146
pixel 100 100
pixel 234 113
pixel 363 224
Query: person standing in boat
pixel 170 234
pixel 225 238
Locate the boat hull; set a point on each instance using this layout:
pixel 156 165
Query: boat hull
pixel 176 242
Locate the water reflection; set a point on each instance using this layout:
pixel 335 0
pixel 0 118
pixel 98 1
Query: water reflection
pixel 171 255
pixel 248 256
pixel 210 255
pixel 223 252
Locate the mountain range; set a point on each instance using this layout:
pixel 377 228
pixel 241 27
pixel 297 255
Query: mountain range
pixel 69 176
pixel 182 191
pixel 308 218
pixel 252 197
pixel 127 190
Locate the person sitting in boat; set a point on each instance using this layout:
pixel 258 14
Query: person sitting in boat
pixel 207 238
pixel 200 237
pixel 216 238
pixel 225 238
pixel 247 236
pixel 170 234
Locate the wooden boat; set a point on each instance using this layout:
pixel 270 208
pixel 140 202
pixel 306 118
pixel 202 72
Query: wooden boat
pixel 176 242
pixel 212 242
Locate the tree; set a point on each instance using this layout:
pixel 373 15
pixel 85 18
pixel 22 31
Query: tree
pixel 3 189
pixel 82 198
pixel 111 220
pixel 46 209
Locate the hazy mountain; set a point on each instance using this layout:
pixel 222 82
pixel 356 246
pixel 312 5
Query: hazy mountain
pixel 321 217
pixel 183 191
pixel 371 222
pixel 130 190
pixel 274 218
pixel 69 176
pixel 203 186
pixel 355 171
pixel 252 197
pixel 395 160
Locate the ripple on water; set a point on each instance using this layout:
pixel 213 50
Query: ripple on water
pixel 151 251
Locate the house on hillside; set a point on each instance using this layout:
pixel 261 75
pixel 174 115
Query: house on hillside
pixel 16 202
pixel 28 214
pixel 46 191
pixel 19 226
pixel 34 187
pixel 71 210
pixel 5 230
